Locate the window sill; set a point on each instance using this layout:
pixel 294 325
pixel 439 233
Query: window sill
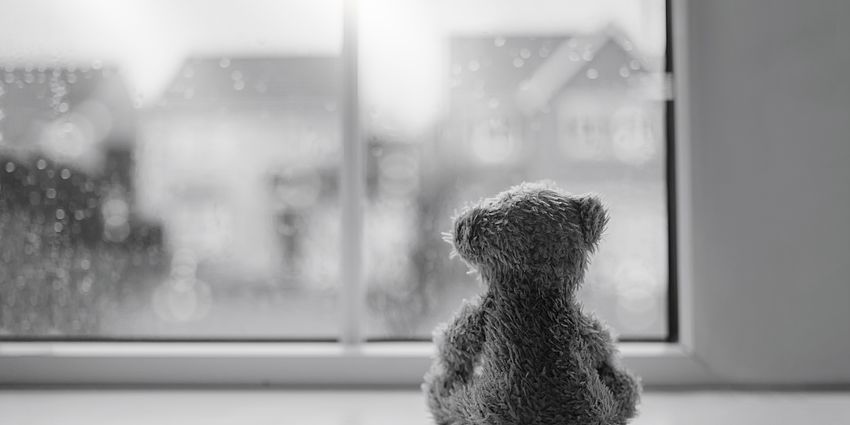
pixel 290 364
pixel 334 407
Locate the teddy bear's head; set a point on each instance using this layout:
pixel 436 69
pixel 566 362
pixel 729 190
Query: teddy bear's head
pixel 532 227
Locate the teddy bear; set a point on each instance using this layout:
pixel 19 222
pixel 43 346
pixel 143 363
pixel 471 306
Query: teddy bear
pixel 524 352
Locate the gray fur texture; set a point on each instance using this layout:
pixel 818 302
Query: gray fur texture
pixel 523 352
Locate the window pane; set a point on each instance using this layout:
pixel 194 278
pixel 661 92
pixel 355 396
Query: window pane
pixel 169 169
pixel 467 98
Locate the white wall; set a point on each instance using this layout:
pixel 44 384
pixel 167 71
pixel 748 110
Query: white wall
pixel 770 186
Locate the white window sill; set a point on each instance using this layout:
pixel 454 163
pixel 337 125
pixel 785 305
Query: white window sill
pixel 319 407
pixel 397 364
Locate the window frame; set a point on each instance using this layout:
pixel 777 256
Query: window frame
pixel 353 361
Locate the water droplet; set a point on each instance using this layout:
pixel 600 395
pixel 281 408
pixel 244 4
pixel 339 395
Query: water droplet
pixel 72 78
pixel 29 78
pixel 518 62
pixel 587 55
pixel 51 193
pixel 499 41
pixel 224 62
pixel 574 57
pixel 525 53
pixel 238 85
pixel 63 107
pixel 634 64
pixel 85 264
pixel 236 75
pixel 60 214
pixel 41 164
pixel 97 64
pixel 2 115
pixel 624 72
pixel 79 215
pixel 592 73
pixel 543 52
pixel 493 103
pixel 474 65
pixel 10 167
pixel 57 227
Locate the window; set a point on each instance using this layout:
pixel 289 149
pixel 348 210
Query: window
pixel 177 171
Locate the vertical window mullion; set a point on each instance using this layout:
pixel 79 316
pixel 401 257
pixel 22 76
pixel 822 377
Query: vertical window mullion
pixel 352 189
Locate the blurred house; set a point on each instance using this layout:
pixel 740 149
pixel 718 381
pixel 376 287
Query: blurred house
pixel 239 159
pixel 72 246
pixel 568 107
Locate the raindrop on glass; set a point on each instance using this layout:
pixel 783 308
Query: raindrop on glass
pixel 41 164
pixel 499 41
pixel 474 65
pixel 525 53
pixel 592 73
pixel 224 62
pixel 238 85
pixel 236 75
pixel 624 72
pixel 60 214
pixel 51 193
pixel 10 167
pixel 518 62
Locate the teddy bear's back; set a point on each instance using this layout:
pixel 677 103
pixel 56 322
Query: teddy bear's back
pixel 534 367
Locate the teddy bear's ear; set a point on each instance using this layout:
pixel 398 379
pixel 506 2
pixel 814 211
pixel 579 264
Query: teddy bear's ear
pixel 593 218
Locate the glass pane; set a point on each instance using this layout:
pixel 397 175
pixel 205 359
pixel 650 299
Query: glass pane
pixel 467 98
pixel 169 169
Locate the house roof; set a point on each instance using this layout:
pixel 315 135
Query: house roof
pixel 255 79
pixel 529 71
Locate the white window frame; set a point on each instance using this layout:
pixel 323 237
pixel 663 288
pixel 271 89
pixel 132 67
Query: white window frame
pixel 353 362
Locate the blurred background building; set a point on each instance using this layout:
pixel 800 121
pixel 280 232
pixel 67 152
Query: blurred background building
pixel 210 208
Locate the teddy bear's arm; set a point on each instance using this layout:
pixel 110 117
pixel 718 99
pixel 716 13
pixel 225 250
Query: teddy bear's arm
pixel 598 340
pixel 460 342
pixel 623 385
